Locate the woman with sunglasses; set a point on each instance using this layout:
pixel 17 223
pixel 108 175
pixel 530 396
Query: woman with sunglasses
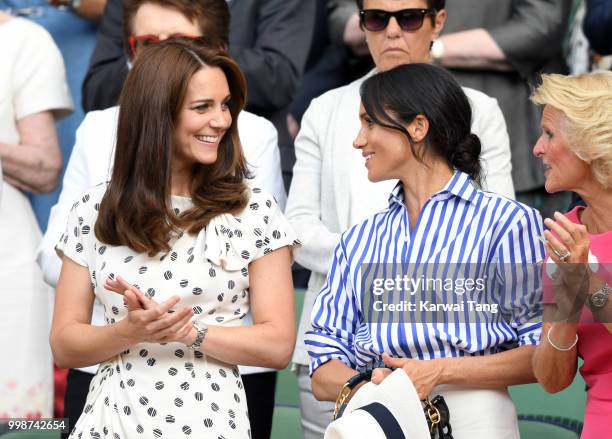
pixel 177 247
pixel 576 150
pixel 468 327
pixel 330 191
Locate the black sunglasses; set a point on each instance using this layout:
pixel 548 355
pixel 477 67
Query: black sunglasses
pixel 408 20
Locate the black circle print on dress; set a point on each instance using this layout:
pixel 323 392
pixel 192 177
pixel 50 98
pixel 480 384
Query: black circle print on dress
pixel 208 422
pixel 157 432
pixel 178 402
pixel 168 275
pixel 170 419
pixel 159 385
pixel 151 412
pixel 186 429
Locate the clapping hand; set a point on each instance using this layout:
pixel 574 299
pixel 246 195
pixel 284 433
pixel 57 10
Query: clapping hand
pixel 150 321
pixel 568 247
pixel 571 243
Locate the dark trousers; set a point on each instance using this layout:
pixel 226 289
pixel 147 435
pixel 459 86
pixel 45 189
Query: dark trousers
pixel 77 387
pixel 259 389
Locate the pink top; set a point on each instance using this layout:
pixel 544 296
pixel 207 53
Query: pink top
pixel 594 343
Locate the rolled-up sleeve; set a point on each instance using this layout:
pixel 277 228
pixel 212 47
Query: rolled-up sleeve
pixel 334 318
pixel 520 275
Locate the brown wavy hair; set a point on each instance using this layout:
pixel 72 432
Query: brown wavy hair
pixel 136 210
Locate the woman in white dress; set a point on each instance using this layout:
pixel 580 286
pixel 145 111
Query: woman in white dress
pixel 188 246
pixel 33 95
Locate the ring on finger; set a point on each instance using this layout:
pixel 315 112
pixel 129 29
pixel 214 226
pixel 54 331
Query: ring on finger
pixel 564 256
pixel 556 252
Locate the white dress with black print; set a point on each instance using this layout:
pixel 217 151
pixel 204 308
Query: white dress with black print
pixel 166 390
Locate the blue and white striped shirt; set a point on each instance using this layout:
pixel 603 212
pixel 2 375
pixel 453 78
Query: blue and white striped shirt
pixel 459 224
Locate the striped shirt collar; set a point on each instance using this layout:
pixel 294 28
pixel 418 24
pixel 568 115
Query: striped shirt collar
pixel 460 185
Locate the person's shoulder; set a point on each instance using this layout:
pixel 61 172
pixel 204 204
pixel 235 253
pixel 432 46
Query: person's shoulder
pixel 26 28
pixel 259 200
pixel 252 126
pixel 509 209
pixel 101 118
pixel 248 120
pixel 88 202
pixel 337 95
pixel 29 36
pixel 479 100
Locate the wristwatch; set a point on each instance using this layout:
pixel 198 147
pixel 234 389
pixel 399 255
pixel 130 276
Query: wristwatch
pixel 201 329
pixel 599 298
pixel 437 51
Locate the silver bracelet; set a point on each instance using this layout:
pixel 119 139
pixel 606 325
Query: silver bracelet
pixel 557 347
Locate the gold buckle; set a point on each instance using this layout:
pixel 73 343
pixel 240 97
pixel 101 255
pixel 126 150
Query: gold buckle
pixel 342 397
pixel 433 414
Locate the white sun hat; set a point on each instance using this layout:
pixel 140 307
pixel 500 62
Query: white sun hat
pixel 391 410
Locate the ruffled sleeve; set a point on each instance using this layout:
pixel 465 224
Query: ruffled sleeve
pixel 234 241
pixel 76 242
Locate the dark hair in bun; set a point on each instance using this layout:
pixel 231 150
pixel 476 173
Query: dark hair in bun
pixel 396 97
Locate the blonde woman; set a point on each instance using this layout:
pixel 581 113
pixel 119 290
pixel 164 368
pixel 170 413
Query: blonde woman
pixel 576 149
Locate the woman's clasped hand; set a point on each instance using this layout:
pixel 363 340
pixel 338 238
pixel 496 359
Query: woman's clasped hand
pixel 148 321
